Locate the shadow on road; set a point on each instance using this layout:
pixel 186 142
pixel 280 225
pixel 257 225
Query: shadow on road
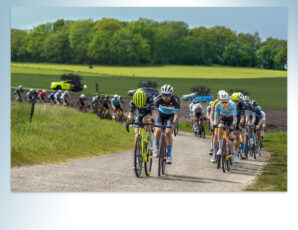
pixel 194 179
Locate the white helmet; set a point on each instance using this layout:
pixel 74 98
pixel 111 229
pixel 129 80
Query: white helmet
pixel 59 91
pixel 31 90
pixel 83 96
pixel 210 102
pixel 20 87
pixel 116 96
pixel 246 98
pixel 220 92
pixel 167 89
pixel 66 92
pixel 240 95
pixel 223 96
pixel 197 106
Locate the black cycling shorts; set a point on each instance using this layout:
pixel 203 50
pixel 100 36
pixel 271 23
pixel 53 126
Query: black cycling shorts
pixel 164 119
pixel 225 120
pixel 139 117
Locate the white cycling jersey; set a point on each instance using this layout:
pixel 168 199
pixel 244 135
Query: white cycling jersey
pixel 65 96
pixel 263 115
pixel 197 108
pixel 57 95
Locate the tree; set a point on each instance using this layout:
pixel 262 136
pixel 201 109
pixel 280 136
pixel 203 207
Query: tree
pixel 18 45
pixel 79 38
pixel 280 59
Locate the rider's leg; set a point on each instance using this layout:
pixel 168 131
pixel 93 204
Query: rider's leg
pixel 220 138
pixel 243 141
pixel 147 119
pixel 169 141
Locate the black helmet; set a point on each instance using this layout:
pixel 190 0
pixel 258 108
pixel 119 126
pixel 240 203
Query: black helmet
pixel 254 102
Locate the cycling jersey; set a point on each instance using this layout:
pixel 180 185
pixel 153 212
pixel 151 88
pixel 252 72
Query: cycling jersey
pixel 51 96
pixel 231 110
pixel 18 91
pixel 116 102
pixel 106 103
pixel 197 109
pixel 57 95
pixel 167 107
pixel 214 103
pixel 30 95
pixel 208 110
pixel 65 95
pixel 263 114
pixel 82 100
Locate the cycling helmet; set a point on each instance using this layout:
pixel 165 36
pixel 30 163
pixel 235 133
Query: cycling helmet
pixel 195 101
pixel 59 91
pixel 83 96
pixel 220 92
pixel 116 96
pixel 66 92
pixel 43 91
pixel 20 87
pixel 254 102
pixel 139 98
pixel 240 95
pixel 245 98
pixel 167 89
pixel 37 91
pixel 210 103
pixel 30 90
pixel 235 97
pixel 223 96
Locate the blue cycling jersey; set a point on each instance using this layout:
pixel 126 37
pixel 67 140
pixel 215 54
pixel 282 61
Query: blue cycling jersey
pixel 208 109
pixel 231 110
pixel 115 102
pixel 51 96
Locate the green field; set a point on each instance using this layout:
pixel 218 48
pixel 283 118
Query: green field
pixel 269 87
pixel 59 134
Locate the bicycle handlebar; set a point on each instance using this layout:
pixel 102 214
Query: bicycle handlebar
pixel 136 123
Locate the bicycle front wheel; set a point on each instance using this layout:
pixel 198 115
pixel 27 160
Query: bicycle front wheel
pixel 138 161
pixel 223 157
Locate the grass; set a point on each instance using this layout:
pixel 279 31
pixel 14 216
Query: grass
pixel 269 92
pixel 164 71
pixel 187 127
pixel 274 175
pixel 59 134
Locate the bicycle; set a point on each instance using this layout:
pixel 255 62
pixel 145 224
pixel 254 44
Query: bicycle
pixel 252 143
pixel 225 158
pixel 162 151
pixel 176 130
pixel 142 152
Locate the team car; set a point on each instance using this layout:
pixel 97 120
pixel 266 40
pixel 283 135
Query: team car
pixel 70 82
pixel 197 96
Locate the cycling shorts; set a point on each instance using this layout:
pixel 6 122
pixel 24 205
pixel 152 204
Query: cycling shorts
pixel 225 120
pixel 164 119
pixel 139 117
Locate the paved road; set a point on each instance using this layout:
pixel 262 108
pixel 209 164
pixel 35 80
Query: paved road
pixel 191 171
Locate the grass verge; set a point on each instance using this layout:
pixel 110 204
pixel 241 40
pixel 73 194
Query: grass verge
pixel 59 134
pixel 274 175
pixel 187 127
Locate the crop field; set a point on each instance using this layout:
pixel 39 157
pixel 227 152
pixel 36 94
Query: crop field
pixel 269 87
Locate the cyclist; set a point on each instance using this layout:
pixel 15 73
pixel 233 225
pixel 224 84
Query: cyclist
pixel 41 96
pixel 96 101
pixel 116 106
pixel 106 104
pixel 122 101
pixel 57 97
pixel 51 97
pixel 214 129
pixel 258 122
pixel 225 114
pixel 64 97
pixel 142 106
pixel 197 114
pixel 81 102
pixel 239 132
pixel 30 95
pixel 18 93
pixel 167 106
pixel 263 125
pixel 190 107
pixel 208 113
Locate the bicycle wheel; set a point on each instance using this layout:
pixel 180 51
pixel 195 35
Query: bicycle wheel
pixel 138 161
pixel 203 131
pixel 223 156
pixel 148 163
pixel 246 149
pixel 161 156
pixel 218 159
pixel 164 161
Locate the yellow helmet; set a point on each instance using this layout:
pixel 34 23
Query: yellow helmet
pixel 235 97
pixel 139 98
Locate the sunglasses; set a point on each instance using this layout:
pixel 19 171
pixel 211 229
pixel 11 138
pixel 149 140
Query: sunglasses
pixel 166 95
pixel 235 101
pixel 224 102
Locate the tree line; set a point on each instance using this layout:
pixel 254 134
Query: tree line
pixel 145 41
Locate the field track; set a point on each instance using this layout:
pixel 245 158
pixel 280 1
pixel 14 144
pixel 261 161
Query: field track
pixel 191 171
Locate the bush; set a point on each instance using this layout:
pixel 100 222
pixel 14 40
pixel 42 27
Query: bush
pixel 148 84
pixel 201 90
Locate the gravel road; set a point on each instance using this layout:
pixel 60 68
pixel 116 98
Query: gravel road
pixel 191 171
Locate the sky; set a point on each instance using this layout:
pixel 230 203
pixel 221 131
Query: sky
pixel 267 21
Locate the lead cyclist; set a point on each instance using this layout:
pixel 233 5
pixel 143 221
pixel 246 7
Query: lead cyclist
pixel 167 106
